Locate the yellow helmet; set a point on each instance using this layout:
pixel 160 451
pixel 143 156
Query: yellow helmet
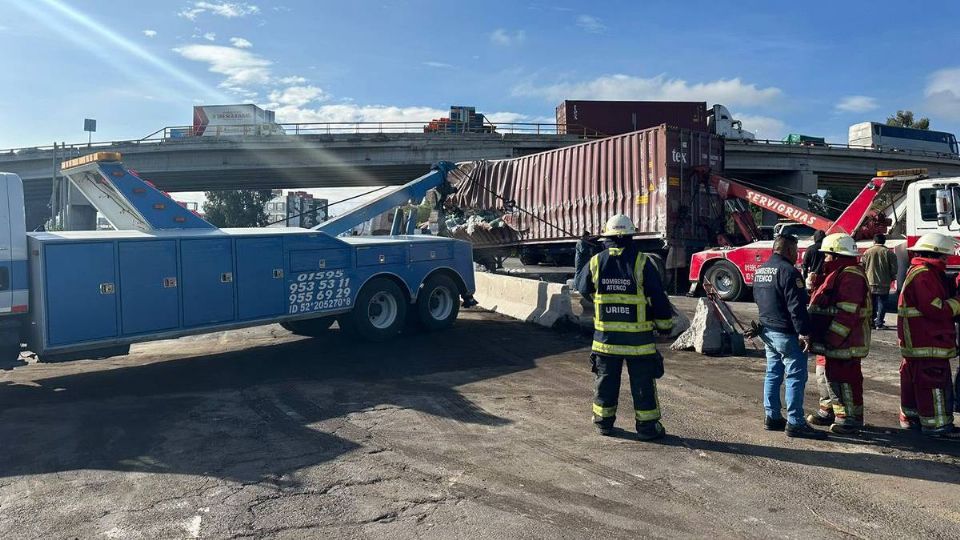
pixel 840 244
pixel 936 243
pixel 619 225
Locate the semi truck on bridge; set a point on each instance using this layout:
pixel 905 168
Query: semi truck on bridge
pixel 165 272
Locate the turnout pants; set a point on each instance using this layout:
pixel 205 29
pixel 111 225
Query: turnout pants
pixel 926 391
pixel 840 383
pixel 643 371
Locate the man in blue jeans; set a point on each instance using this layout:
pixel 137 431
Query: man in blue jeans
pixel 781 297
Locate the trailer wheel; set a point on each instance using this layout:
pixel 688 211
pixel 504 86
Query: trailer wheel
pixel 309 327
pixel 380 312
pixel 726 280
pixel 438 303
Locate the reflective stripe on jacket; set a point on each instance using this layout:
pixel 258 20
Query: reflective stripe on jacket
pixel 840 312
pixel 926 312
pixel 629 302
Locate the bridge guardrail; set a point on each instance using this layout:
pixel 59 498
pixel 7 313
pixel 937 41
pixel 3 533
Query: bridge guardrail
pixel 842 146
pixel 173 133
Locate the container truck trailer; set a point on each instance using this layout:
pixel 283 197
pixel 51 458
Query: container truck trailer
pixel 167 273
pixel 540 204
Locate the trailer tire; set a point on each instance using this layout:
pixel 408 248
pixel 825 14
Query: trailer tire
pixel 530 257
pixel 438 303
pixel 315 327
pixel 380 312
pixel 726 280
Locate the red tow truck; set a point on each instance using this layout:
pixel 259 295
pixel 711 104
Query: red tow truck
pixel 730 268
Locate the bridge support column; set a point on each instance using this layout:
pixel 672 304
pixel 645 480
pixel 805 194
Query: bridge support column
pixel 77 212
pixel 791 183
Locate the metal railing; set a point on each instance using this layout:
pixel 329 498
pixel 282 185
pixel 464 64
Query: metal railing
pixel 842 146
pixel 321 129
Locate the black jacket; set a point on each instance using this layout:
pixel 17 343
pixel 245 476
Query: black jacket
pixel 812 260
pixel 781 296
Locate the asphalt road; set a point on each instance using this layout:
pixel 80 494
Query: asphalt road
pixel 479 432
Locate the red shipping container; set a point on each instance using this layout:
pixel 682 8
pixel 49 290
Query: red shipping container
pixel 647 175
pixel 618 117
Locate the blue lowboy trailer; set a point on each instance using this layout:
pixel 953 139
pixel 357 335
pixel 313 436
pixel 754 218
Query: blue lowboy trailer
pixel 166 272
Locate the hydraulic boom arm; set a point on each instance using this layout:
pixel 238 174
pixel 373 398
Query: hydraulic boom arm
pixel 414 190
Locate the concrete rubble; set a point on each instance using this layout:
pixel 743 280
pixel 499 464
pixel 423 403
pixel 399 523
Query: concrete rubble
pixel 705 333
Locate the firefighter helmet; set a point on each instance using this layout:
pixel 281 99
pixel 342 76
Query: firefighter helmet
pixel 840 244
pixel 935 243
pixel 619 225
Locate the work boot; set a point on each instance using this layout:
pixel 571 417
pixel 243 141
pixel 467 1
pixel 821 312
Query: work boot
pixel 804 432
pixel 774 424
pixel 605 430
pixel 844 429
pixel 912 424
pixel 648 431
pixel 947 432
pixel 818 419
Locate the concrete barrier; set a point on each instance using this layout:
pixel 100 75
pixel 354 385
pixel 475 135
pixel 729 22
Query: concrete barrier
pixel 529 300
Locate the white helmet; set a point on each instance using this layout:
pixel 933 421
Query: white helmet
pixel 619 225
pixel 840 244
pixel 936 243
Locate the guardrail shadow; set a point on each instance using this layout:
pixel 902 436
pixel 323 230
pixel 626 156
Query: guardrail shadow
pixel 261 413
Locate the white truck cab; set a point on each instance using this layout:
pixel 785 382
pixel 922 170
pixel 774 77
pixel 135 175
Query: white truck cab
pixel 14 275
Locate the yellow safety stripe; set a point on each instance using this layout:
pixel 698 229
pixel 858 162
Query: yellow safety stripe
pixel 851 352
pixel 604 412
pixel 941 416
pixel 937 303
pixel 664 324
pixel 638 266
pixel 595 271
pixel 927 352
pixel 817 310
pixel 909 312
pixel 914 272
pixel 647 416
pixel 606 298
pixel 624 350
pixel 614 326
pixel 615 251
pixel 954 306
pixel 839 329
pixel 849 307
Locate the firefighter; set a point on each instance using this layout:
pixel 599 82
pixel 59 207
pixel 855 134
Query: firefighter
pixel 840 314
pixel 629 304
pixel 928 339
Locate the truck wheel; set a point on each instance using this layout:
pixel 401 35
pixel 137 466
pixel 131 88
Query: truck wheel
pixel 309 327
pixel 438 303
pixel 9 346
pixel 726 280
pixel 380 312
pixel 530 257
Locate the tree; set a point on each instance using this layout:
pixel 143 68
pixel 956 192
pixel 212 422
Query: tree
pixel 237 208
pixel 905 119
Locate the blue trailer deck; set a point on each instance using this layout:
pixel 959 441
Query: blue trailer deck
pixel 100 289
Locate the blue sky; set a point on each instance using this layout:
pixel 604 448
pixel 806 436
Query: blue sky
pixel 136 66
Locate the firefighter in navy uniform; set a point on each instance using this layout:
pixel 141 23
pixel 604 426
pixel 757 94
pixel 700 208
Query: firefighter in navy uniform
pixel 629 304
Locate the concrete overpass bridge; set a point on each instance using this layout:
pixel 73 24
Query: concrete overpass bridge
pixel 371 154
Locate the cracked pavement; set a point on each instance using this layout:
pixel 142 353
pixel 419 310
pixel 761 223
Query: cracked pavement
pixel 479 432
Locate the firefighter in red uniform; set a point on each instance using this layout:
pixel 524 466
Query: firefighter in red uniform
pixel 840 335
pixel 928 339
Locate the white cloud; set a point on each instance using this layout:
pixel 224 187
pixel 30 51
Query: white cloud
pixel 591 24
pixel 150 33
pixel 943 93
pixel 240 43
pixel 292 80
pixel 437 64
pixel 210 36
pixel 297 96
pixel 348 112
pixel 241 67
pixel 505 38
pixel 764 127
pixel 857 104
pixel 222 9
pixel 729 92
